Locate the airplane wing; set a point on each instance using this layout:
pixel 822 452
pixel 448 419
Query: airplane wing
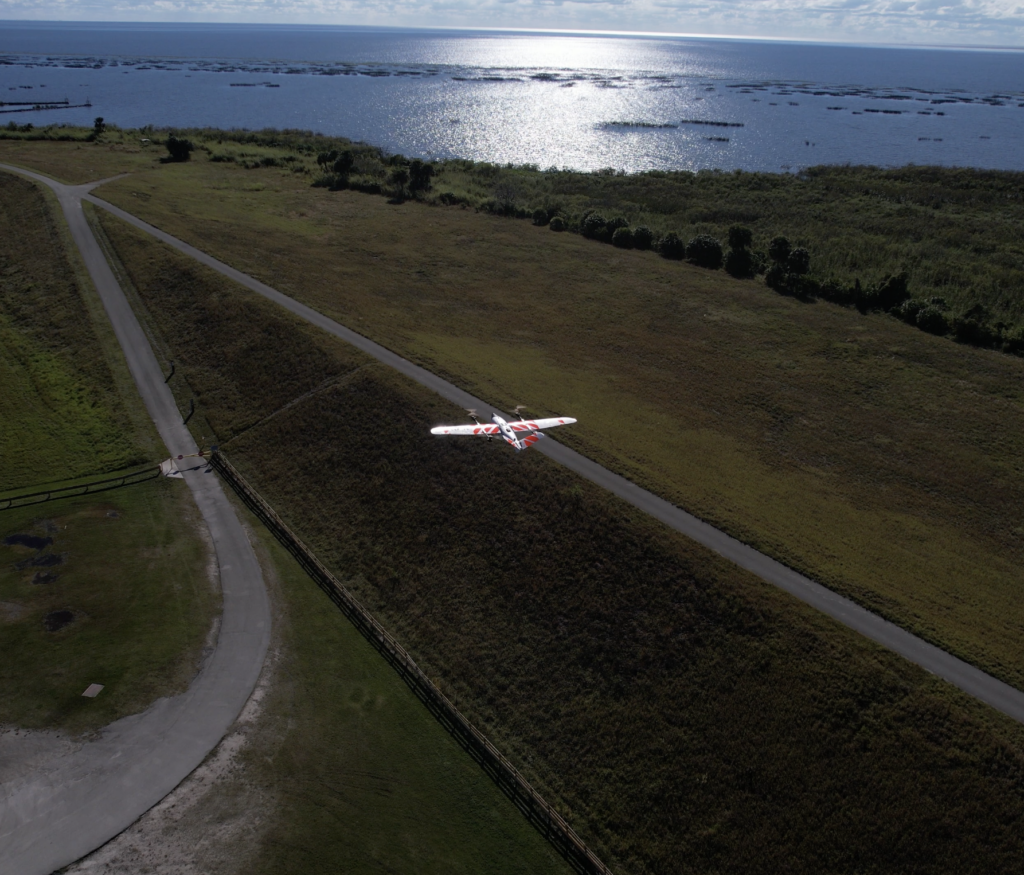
pixel 465 429
pixel 538 424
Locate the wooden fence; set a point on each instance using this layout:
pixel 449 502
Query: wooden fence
pixel 129 479
pixel 503 773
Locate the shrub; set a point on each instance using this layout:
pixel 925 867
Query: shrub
pixel 622 238
pixel 399 178
pixel 909 310
pixel 704 251
pixel 179 149
pixel 98 127
pixel 799 261
pixel 775 278
pixel 670 246
pixel 449 198
pixel 740 237
pixel 420 173
pixel 616 223
pixel 595 227
pixel 642 237
pixel 931 319
pixel 1014 342
pixel 891 292
pixel 739 263
pixel 342 165
pixel 779 249
pixel 973 327
pixel 540 217
pixel 557 224
pixel 326 159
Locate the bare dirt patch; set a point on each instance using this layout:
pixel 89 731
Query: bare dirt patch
pixel 209 824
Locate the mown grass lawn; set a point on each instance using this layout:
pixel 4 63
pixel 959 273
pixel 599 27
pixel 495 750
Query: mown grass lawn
pixel 132 571
pixel 885 462
pixel 684 715
pixel 130 566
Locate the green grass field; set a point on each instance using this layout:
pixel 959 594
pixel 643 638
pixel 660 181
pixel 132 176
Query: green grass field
pixel 131 563
pixel 362 778
pixel 77 161
pixel 63 409
pixel 683 715
pixel 132 571
pixel 883 461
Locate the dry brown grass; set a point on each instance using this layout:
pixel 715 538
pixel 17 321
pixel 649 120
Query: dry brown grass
pixel 880 460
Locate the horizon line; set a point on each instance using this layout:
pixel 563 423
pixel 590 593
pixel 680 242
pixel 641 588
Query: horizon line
pixel 645 34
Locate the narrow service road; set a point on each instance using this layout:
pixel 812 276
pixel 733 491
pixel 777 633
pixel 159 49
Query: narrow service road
pixel 968 678
pixel 56 815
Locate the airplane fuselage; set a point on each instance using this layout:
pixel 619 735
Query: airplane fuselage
pixel 506 431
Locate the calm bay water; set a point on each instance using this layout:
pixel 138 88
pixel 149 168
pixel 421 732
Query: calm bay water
pixel 553 100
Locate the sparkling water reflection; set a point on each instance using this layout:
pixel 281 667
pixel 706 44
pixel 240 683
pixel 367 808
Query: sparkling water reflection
pixel 552 100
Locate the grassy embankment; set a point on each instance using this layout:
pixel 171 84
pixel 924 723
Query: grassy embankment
pixel 685 716
pixel 885 462
pixel 347 771
pixel 358 774
pixel 129 565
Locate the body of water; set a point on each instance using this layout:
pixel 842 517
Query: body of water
pixel 585 102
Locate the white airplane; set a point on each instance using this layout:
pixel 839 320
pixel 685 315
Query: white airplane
pixel 529 428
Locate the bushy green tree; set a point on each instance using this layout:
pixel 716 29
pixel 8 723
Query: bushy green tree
pixel 179 149
pixel 420 174
pixel 779 249
pixel 932 320
pixel 342 163
pixel 557 224
pixel 739 263
pixel 622 238
pixel 908 311
pixel 399 178
pixel 740 237
pixel 670 246
pixel 891 292
pixel 595 227
pixel 704 251
pixel 327 159
pixel 643 237
pixel 540 217
pixel 776 277
pixel 799 261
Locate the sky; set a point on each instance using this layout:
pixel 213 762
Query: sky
pixel 996 23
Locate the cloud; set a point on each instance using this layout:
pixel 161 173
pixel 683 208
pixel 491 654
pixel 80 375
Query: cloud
pixel 983 22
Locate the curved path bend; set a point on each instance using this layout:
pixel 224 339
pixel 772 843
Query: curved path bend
pixel 60 813
pixel 968 678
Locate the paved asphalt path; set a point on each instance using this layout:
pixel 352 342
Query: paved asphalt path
pixel 81 800
pixel 971 680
